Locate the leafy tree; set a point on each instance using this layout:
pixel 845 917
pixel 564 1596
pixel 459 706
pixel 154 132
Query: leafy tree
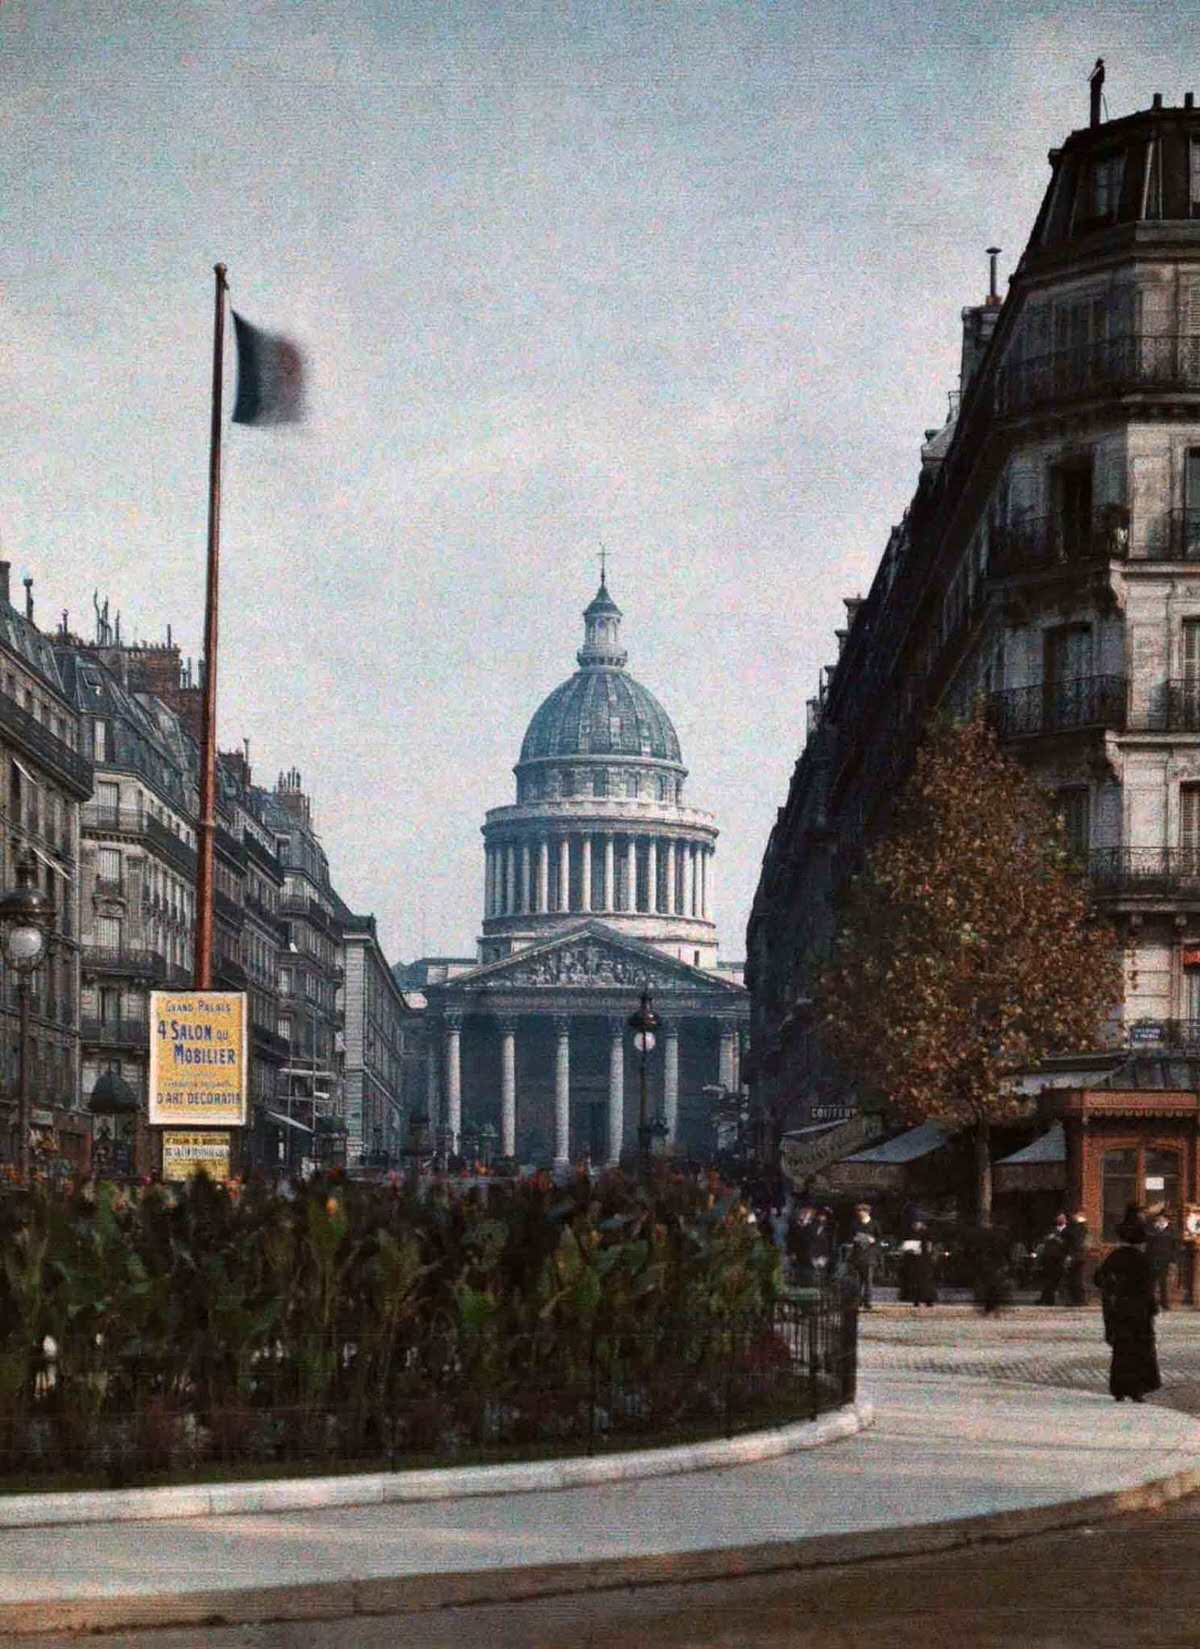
pixel 967 949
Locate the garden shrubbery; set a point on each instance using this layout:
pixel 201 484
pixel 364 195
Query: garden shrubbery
pixel 161 1329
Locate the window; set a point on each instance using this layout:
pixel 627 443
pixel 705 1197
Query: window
pixel 1074 809
pixel 1194 176
pixel 100 750
pixel 600 782
pixel 1189 828
pixel 1071 506
pixel 108 932
pixel 1144 1174
pixel 108 866
pixel 108 796
pixel 1189 544
pixel 1105 193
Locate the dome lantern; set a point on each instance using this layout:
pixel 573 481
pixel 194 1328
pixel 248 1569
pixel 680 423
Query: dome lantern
pixel 602 633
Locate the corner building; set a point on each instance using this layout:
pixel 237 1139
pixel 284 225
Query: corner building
pixel 1049 563
pixel 598 880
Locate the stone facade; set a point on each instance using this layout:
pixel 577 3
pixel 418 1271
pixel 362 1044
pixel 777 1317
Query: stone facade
pixel 1050 563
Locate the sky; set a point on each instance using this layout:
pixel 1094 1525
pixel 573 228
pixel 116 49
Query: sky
pixel 679 276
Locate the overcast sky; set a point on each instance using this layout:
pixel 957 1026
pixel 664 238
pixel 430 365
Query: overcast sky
pixel 681 275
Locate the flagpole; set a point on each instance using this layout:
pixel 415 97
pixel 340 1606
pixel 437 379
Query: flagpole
pixel 202 976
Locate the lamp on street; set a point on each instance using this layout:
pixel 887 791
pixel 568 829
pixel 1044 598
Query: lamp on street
pixel 643 1024
pixel 26 921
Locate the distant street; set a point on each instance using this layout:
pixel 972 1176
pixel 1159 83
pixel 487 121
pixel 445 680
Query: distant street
pixel 1132 1582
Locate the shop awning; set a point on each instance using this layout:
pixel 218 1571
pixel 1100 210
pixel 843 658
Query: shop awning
pixel 289 1122
pixel 1038 1166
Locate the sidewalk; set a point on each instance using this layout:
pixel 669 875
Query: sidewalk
pixel 952 1458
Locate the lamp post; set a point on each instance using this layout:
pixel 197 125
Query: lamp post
pixel 643 1024
pixel 26 921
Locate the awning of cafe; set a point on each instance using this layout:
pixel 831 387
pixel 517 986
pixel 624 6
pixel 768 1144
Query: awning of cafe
pixel 883 1166
pixel 1039 1166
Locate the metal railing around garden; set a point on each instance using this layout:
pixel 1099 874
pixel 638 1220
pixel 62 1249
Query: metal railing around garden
pixel 451 1394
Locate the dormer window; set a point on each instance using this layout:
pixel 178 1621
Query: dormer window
pixel 1105 186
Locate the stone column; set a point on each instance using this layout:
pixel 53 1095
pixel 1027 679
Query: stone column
pixel 670 1077
pixel 652 875
pixel 543 876
pixel 454 1077
pixel 562 1094
pixel 693 901
pixel 526 884
pixel 585 874
pixel 564 874
pixel 510 879
pixel 728 1040
pixel 431 1077
pixel 610 871
pixel 616 1090
pixel 672 902
pixel 631 873
pixel 709 868
pixel 487 882
pixel 508 1087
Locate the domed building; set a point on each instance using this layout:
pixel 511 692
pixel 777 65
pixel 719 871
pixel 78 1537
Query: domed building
pixel 598 885
pixel 599 825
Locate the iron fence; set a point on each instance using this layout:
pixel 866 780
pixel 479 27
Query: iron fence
pixel 1040 544
pixel 1149 870
pixel 451 1392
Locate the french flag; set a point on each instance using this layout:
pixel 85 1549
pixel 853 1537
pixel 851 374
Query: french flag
pixel 270 384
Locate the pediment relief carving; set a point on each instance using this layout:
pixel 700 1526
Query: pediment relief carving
pixel 588 963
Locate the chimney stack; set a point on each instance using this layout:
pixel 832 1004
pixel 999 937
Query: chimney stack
pixel 993 296
pixel 1156 101
pixel 28 583
pixel 5 570
pixel 1189 100
pixel 1096 82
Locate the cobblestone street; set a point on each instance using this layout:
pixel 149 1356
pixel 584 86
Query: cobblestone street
pixel 1027 1345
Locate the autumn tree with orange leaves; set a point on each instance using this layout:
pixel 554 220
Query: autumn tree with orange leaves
pixel 967 950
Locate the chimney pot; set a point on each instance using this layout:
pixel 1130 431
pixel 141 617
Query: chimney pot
pixel 1156 101
pixel 28 583
pixel 5 569
pixel 1096 82
pixel 1189 100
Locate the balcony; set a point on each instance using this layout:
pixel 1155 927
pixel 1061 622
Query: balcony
pixel 310 911
pixel 1174 707
pixel 1164 363
pixel 1059 707
pixel 230 975
pixel 269 1042
pixel 115 1033
pixel 112 821
pixel 72 769
pixel 135 964
pixel 1151 872
pixel 1049 544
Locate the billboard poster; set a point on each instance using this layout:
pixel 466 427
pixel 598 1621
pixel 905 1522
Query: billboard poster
pixel 199 1065
pixel 186 1150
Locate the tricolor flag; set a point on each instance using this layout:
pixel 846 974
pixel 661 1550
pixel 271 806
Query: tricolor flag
pixel 270 387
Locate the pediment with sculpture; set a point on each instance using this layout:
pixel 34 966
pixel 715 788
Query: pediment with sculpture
pixel 591 961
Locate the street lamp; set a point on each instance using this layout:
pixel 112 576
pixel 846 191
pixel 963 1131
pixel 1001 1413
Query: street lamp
pixel 26 920
pixel 643 1024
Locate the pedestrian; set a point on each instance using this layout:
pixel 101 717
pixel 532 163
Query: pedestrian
pixel 1052 1260
pixel 1160 1251
pixel 918 1267
pixel 1077 1248
pixel 1126 1285
pixel 864 1248
pixel 802 1241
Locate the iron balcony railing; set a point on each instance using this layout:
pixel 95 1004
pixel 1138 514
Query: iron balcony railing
pixel 1047 543
pixel 1109 366
pixel 74 770
pixel 142 964
pixel 1173 707
pixel 131 821
pixel 115 1033
pixel 1059 706
pixel 1163 871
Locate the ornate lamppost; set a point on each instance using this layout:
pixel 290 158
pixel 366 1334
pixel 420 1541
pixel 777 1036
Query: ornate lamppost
pixel 26 923
pixel 643 1024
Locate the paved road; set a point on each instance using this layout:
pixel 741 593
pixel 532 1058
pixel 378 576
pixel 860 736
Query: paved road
pixel 1133 1582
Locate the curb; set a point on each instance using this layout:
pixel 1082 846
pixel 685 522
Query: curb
pixel 23 1511
pixel 415 1594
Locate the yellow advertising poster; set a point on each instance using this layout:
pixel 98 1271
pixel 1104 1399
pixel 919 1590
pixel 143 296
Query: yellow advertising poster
pixel 187 1150
pixel 199 1067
